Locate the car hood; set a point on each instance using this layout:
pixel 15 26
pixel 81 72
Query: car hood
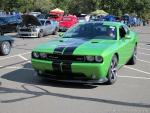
pixel 65 24
pixel 30 20
pixel 6 38
pixel 76 46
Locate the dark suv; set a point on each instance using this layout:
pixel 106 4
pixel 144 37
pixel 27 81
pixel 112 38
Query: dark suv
pixel 9 23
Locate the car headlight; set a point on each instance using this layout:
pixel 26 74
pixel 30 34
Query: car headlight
pixel 43 55
pixel 98 59
pixel 90 58
pixel 35 55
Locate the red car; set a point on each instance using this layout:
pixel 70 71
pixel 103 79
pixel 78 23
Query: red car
pixel 56 14
pixel 67 22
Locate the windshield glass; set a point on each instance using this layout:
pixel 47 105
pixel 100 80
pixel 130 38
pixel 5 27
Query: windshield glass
pixel 93 31
pixel 42 22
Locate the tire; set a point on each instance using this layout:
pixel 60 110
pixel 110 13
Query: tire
pixel 41 76
pixel 133 59
pixel 40 35
pixel 112 72
pixel 1 32
pixel 55 31
pixel 5 47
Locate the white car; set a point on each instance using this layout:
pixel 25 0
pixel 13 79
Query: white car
pixel 35 13
pixel 32 27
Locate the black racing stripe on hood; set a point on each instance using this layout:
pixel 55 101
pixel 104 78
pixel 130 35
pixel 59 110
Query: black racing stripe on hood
pixel 66 66
pixel 59 50
pixel 56 65
pixel 68 49
pixel 71 48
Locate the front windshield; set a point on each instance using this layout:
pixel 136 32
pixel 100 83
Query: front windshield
pixel 42 22
pixel 92 31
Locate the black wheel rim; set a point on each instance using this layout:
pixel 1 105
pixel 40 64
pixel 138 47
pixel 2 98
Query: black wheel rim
pixel 135 54
pixel 40 34
pixel 113 70
pixel 6 47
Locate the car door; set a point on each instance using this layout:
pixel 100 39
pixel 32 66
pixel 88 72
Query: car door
pixel 130 41
pixel 43 27
pixel 48 27
pixel 125 45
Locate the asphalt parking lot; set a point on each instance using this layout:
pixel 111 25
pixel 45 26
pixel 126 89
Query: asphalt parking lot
pixel 22 91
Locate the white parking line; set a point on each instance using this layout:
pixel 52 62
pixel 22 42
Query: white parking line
pixel 144 78
pixel 143 48
pixel 144 53
pixel 141 71
pixel 143 61
pixel 143 44
pixel 15 55
pixel 12 67
pixel 22 57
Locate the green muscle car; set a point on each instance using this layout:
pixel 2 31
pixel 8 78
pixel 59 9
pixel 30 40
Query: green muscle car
pixel 90 52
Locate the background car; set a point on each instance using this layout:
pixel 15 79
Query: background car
pixel 35 13
pixel 9 23
pixel 67 22
pixel 43 16
pixel 32 27
pixel 90 52
pixel 6 43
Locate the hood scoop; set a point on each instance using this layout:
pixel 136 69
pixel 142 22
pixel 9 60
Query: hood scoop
pixel 61 41
pixel 94 42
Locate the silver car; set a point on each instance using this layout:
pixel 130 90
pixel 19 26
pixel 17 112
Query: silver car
pixel 32 27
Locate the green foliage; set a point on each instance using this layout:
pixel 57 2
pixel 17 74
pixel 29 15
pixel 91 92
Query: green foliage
pixel 117 7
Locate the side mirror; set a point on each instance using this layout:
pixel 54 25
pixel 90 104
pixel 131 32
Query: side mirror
pixel 128 36
pixel 61 34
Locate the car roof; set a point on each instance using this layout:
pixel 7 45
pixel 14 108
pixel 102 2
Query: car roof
pixel 117 24
pixel 43 19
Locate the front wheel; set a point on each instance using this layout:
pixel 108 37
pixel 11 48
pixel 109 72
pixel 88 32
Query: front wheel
pixel 40 35
pixel 55 31
pixel 112 72
pixel 5 48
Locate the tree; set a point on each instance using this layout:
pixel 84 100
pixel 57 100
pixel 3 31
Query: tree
pixel 116 7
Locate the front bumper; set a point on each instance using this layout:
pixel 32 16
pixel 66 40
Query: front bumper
pixel 28 34
pixel 99 81
pixel 80 72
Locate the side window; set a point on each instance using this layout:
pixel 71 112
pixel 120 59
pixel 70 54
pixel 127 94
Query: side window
pixel 122 32
pixel 48 22
pixel 126 29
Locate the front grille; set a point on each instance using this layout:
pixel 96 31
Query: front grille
pixel 25 34
pixel 25 30
pixel 60 57
pixel 54 57
pixel 66 76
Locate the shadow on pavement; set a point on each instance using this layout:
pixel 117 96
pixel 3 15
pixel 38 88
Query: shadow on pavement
pixel 44 92
pixel 28 76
